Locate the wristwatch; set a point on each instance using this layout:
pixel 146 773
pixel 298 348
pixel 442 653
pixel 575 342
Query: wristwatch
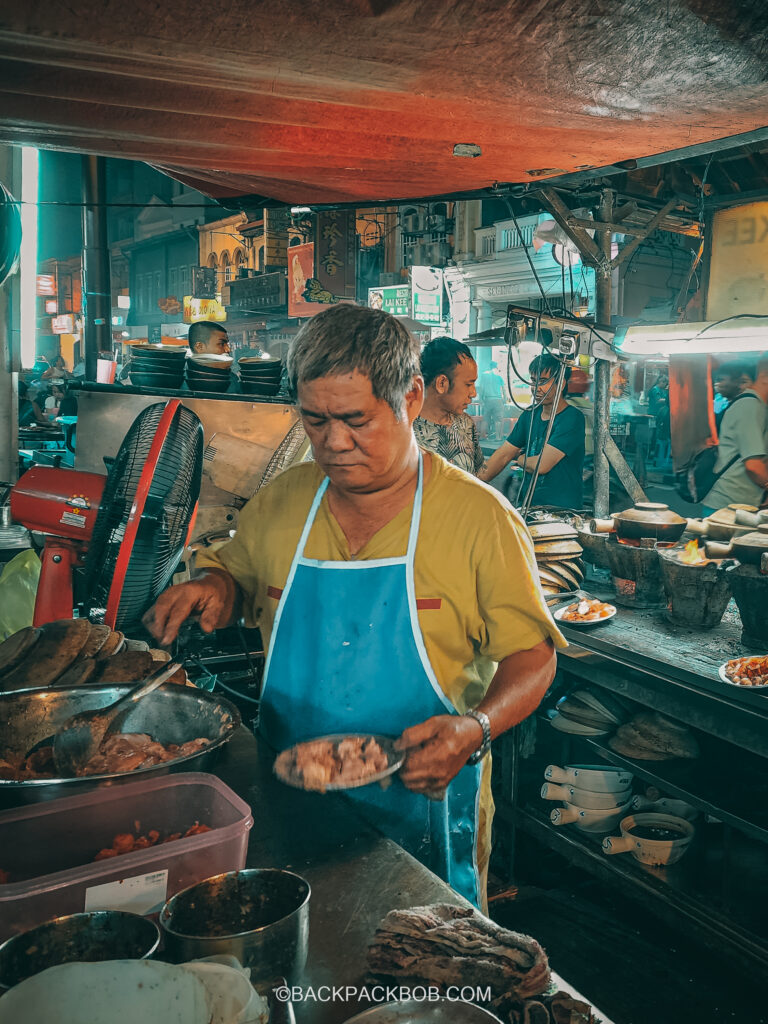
pixel 483 721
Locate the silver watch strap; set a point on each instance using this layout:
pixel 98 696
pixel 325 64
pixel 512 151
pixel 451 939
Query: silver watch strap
pixel 483 721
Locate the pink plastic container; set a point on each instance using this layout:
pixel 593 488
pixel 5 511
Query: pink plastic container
pixel 48 849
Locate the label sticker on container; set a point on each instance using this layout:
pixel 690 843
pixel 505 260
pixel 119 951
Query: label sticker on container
pixel 142 894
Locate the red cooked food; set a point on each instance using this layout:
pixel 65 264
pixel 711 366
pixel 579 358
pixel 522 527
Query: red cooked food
pixel 126 842
pixel 123 752
pixel 748 671
pixel 320 763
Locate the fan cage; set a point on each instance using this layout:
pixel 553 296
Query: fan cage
pixel 165 519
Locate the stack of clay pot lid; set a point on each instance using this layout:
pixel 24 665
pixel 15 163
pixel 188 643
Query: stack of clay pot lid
pixel 558 556
pixel 75 652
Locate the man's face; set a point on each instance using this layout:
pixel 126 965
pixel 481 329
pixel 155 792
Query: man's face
pixel 544 393
pixel 728 387
pixel 357 439
pixel 216 344
pixel 461 392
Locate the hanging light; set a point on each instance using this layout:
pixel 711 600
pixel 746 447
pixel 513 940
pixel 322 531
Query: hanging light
pixel 747 332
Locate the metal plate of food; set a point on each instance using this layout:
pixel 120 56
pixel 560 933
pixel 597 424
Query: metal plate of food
pixel 438 1011
pixel 340 761
pixel 586 612
pixel 750 673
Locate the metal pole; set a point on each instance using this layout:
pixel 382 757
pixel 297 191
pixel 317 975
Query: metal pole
pixel 10 175
pixel 97 295
pixel 601 432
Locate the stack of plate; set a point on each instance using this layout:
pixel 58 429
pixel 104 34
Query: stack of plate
pixel 588 712
pixel 558 556
pixel 209 373
pixel 260 377
pixel 157 366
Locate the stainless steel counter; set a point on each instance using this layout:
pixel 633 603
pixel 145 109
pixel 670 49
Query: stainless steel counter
pixel 357 876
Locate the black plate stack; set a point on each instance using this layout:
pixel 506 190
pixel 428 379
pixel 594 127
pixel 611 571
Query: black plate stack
pixel 158 366
pixel 210 373
pixel 260 377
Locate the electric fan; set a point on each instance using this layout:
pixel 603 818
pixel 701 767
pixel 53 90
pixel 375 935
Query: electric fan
pixel 128 531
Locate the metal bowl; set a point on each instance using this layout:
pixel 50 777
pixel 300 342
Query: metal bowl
pixel 260 915
pixel 438 1011
pixel 172 714
pixel 101 935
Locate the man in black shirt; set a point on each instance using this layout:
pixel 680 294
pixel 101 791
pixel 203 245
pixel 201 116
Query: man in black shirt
pixel 562 459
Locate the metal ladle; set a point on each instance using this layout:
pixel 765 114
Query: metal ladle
pixel 80 737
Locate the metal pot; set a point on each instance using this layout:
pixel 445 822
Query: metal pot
pixel 101 935
pixel 647 519
pixel 750 547
pixel 260 916
pixel 172 714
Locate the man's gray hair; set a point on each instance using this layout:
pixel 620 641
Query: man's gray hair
pixel 347 338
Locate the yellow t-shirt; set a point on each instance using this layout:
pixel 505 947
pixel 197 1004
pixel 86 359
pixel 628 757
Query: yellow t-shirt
pixel 477 588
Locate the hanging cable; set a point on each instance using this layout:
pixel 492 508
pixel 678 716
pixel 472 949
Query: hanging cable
pixel 528 256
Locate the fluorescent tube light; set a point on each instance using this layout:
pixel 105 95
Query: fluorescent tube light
pixel 30 174
pixel 744 333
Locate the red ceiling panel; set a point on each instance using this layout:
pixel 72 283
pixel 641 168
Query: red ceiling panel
pixel 355 100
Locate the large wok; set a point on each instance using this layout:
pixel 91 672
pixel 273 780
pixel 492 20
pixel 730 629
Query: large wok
pixel 172 714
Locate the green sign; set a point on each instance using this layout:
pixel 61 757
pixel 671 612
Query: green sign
pixel 395 300
pixel 428 306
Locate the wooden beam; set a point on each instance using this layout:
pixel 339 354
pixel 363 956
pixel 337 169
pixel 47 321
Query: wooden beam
pixel 649 228
pixel 552 202
pixel 620 212
pixel 619 229
pixel 629 481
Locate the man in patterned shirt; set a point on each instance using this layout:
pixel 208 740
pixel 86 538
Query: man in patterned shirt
pixel 450 374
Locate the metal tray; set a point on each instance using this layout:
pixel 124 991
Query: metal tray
pixel 172 714
pixel 441 1011
pixel 396 760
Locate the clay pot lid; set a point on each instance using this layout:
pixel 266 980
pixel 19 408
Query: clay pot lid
pixel 756 539
pixel 654 512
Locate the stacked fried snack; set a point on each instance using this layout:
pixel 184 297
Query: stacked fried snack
pixel 443 945
pixel 74 652
pixel 650 736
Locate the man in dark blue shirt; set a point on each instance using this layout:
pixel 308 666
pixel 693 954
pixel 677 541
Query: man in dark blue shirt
pixel 562 459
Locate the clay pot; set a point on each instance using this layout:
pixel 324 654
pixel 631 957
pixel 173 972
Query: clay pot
pixel 750 547
pixel 645 519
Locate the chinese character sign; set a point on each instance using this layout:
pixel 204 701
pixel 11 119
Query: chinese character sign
pixel 301 278
pixel 336 253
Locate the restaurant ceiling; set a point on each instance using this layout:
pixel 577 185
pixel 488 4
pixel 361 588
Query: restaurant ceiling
pixel 364 100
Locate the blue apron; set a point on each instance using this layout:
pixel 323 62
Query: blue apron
pixel 347 655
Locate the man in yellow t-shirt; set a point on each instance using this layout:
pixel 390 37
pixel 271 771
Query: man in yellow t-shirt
pixel 444 587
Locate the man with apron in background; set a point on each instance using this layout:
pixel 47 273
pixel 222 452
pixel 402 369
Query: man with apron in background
pixel 397 595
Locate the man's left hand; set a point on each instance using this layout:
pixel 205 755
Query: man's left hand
pixel 437 750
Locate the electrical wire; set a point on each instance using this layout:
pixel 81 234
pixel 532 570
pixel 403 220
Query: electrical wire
pixel 528 255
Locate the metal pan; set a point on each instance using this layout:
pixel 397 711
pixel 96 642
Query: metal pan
pixel 396 759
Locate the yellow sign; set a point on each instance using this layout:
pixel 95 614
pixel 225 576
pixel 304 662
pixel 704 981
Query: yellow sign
pixel 202 309
pixel 738 274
